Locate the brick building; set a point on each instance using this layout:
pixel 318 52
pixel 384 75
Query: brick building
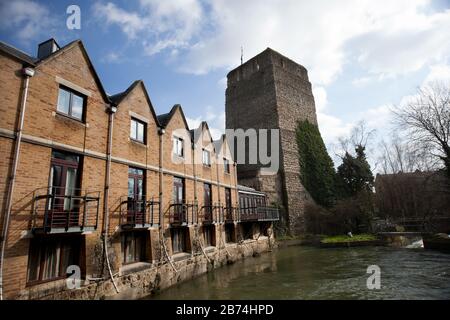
pixel 84 173
pixel 271 91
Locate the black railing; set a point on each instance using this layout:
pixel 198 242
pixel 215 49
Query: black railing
pixel 212 214
pixel 248 213
pixel 59 210
pixel 183 213
pixel 268 214
pixel 138 213
pixel 231 214
pixel 259 214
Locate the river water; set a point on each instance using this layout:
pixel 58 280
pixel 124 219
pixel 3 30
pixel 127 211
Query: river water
pixel 315 273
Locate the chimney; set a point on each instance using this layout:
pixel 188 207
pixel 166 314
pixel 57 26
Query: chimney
pixel 46 48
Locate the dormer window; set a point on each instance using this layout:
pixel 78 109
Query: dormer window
pixel 206 156
pixel 137 130
pixel 71 103
pixel 178 147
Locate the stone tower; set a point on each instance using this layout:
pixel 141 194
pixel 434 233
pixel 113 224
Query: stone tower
pixel 271 91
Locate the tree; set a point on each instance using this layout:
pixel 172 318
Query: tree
pixel 398 155
pixel 354 175
pixel 426 118
pixel 317 169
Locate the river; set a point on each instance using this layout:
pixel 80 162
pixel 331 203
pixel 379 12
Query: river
pixel 315 273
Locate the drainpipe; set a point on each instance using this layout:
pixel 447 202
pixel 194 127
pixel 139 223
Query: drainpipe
pixel 194 170
pixel 27 73
pixel 161 132
pixel 112 109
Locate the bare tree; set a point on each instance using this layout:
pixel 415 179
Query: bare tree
pixel 426 119
pixel 398 155
pixel 360 136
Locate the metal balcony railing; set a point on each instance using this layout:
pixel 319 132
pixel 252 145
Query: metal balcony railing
pixel 138 213
pixel 231 214
pixel 268 214
pixel 249 213
pixel 212 214
pixel 60 210
pixel 259 214
pixel 183 213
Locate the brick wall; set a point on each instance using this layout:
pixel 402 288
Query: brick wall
pixel 46 130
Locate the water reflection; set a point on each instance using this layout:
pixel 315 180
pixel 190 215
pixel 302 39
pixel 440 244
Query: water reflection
pixel 312 273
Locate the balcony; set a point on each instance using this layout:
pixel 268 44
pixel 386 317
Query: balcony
pixel 181 214
pixel 212 214
pixel 268 214
pixel 259 214
pixel 59 210
pixel 231 214
pixel 140 213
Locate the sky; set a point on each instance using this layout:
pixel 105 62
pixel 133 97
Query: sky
pixel 362 56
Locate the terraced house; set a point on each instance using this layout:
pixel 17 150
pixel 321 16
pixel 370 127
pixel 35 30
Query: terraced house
pixel 133 200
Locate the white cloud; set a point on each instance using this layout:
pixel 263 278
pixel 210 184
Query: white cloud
pixel 215 119
pixel 130 23
pixel 438 73
pixel 385 37
pixel 27 19
pixel 320 98
pixel 160 24
pixel 112 57
pixel 332 128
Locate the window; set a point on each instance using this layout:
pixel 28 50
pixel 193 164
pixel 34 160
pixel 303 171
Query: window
pixel 71 104
pixel 133 246
pixel 179 240
pixel 226 165
pixel 49 258
pixel 137 130
pixel 229 233
pixel 206 156
pixel 178 148
pixel 208 235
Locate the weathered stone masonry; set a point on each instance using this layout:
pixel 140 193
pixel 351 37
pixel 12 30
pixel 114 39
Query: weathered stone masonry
pixel 271 91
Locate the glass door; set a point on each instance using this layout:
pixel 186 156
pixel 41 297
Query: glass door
pixel 207 202
pixel 136 196
pixel 178 199
pixel 64 189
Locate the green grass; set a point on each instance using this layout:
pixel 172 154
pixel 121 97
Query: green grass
pixel 345 238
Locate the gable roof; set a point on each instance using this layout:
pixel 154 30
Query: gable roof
pixel 18 54
pixel 70 46
pixel 164 119
pixel 116 99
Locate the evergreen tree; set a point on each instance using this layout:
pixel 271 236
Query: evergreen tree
pixel 354 175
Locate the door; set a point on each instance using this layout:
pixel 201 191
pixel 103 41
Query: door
pixel 207 202
pixel 64 205
pixel 136 196
pixel 229 211
pixel 178 200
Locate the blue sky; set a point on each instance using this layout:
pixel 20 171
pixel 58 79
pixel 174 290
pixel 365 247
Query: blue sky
pixel 363 56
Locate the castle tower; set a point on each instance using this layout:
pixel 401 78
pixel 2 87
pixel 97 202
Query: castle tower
pixel 271 91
